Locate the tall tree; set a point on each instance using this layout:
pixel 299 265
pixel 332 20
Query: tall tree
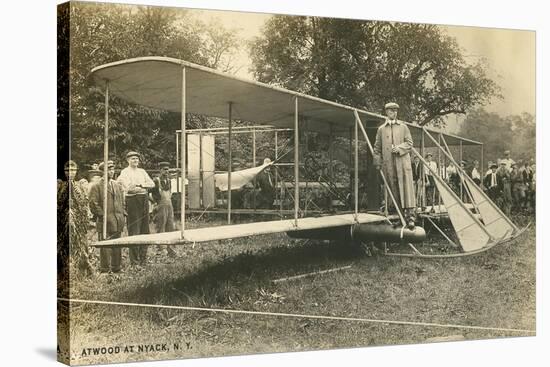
pixel 515 133
pixel 369 63
pixel 102 33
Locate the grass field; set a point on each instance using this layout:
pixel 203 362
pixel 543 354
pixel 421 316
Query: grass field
pixel 495 289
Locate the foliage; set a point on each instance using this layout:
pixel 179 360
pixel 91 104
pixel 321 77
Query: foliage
pixel 102 33
pixel 515 133
pixel 72 227
pixel 369 63
pixel 63 83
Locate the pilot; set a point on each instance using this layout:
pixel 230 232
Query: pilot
pixel 392 156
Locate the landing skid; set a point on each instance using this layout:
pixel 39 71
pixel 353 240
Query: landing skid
pixel 417 254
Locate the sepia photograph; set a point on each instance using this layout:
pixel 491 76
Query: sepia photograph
pixel 238 183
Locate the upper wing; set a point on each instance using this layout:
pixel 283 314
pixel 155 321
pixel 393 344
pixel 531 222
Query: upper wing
pixel 156 82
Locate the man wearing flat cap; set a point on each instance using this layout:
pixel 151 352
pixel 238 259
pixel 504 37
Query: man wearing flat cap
pixel 505 187
pixel 392 155
pixel 518 187
pixel 491 182
pixel 93 177
pixel 266 183
pixel 72 223
pixel 110 259
pixel 162 194
pixel 430 181
pixel 136 182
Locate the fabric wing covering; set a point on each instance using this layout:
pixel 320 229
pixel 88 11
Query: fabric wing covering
pixel 238 178
pixel 156 82
pixel 496 222
pixel 469 230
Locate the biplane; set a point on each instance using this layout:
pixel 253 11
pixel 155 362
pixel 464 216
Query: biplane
pixel 182 87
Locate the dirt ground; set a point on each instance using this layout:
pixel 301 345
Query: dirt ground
pixel 495 289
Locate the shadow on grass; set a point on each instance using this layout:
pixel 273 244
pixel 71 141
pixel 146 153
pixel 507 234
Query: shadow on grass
pixel 237 278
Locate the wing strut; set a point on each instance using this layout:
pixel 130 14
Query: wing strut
pixel 494 220
pixel 461 175
pixel 471 233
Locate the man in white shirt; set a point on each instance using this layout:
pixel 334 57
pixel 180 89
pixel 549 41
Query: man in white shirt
pixel 507 160
pixel 450 171
pixel 475 175
pixel 430 181
pixel 135 182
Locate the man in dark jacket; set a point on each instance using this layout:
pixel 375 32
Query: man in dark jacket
pixel 505 187
pixel 492 182
pixel 110 259
pixel 266 182
pixel 417 179
pixel 417 169
pixel 162 194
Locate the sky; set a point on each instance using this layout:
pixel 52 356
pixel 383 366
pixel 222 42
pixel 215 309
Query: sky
pixel 511 60
pixel 510 56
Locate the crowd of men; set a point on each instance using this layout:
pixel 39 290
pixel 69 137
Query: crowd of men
pixel 129 198
pixel 510 184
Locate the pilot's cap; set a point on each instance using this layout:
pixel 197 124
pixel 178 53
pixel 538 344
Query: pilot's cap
pixel 391 106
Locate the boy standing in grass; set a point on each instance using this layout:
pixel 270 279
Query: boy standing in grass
pixel 162 194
